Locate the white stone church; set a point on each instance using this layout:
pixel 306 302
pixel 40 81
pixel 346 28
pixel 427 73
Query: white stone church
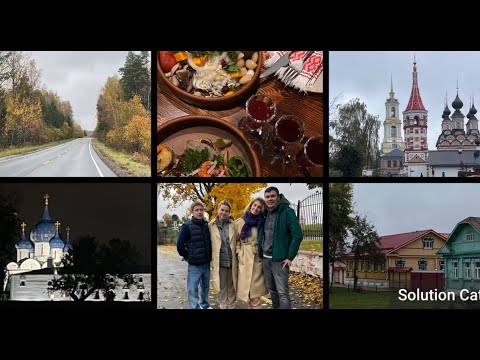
pixel 39 257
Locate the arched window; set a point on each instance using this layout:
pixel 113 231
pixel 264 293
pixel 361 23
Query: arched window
pixel 393 131
pixel 392 111
pixel 427 243
pixel 422 264
pixel 400 262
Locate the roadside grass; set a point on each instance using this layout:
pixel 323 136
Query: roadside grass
pixel 124 161
pixel 28 149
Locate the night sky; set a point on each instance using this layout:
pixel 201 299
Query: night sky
pixel 105 211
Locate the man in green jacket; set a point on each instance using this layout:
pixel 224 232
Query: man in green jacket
pixel 278 245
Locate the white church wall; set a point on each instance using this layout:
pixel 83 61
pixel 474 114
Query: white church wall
pixel 29 287
pixel 33 287
pixel 449 171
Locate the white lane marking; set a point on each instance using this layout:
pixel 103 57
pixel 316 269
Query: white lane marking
pixel 33 153
pixel 90 149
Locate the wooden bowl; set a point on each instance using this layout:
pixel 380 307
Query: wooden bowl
pixel 213 103
pixel 174 133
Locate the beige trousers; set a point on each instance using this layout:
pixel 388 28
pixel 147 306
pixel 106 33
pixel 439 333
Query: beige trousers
pixel 226 295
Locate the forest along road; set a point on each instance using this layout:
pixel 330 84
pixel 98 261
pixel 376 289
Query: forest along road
pixel 75 158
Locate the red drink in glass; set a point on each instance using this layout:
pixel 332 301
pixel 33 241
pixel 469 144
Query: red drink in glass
pixel 259 110
pixel 289 130
pixel 311 154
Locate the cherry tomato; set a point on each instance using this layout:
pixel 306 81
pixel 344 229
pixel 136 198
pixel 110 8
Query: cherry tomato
pixel 167 60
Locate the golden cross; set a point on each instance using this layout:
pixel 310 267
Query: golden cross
pixel 57 224
pixel 23 227
pixel 46 198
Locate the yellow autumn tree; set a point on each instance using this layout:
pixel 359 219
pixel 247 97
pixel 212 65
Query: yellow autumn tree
pixel 137 135
pixel 239 195
pixel 129 109
pixel 24 121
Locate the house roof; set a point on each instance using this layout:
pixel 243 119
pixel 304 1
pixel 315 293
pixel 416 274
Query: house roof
pixel 394 153
pixel 453 158
pixel 474 221
pixel 390 243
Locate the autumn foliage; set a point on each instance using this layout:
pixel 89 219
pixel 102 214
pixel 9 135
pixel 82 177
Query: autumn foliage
pixel 29 114
pixel 123 123
pixel 211 194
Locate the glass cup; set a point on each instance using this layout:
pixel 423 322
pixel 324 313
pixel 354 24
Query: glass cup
pixel 288 130
pixel 260 110
pixel 312 153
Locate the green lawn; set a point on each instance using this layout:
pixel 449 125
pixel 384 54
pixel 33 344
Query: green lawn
pixel 27 149
pixel 343 298
pixel 312 245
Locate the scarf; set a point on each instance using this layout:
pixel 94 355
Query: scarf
pixel 251 220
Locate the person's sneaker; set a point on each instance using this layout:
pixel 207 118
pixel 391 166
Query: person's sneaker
pixel 207 307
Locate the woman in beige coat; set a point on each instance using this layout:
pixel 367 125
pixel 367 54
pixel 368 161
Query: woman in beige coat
pixel 224 257
pixel 250 283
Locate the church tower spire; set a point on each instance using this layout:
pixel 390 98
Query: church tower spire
pixel 415 102
pixel 415 119
pixel 392 137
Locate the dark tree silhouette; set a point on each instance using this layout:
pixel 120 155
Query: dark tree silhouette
pixel 96 267
pixel 9 234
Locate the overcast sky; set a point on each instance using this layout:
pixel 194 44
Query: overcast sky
pixel 292 192
pixel 366 75
pixel 106 211
pixel 399 208
pixel 78 76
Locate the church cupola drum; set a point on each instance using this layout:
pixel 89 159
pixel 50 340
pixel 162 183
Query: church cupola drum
pixel 415 120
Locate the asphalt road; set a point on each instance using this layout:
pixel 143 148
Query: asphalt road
pixel 75 158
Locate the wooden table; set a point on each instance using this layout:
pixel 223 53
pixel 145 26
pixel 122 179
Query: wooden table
pixel 289 101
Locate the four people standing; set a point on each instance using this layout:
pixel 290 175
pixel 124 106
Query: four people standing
pixel 249 257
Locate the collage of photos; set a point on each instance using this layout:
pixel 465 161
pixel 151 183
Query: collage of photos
pixel 224 244
pixel 403 243
pixel 71 239
pixel 233 144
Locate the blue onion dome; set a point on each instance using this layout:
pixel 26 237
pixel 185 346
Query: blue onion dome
pixel 24 243
pixel 473 111
pixel 68 244
pixel 45 229
pixel 446 111
pixel 57 242
pixel 457 104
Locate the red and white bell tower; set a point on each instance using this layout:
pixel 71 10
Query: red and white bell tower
pixel 415 119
